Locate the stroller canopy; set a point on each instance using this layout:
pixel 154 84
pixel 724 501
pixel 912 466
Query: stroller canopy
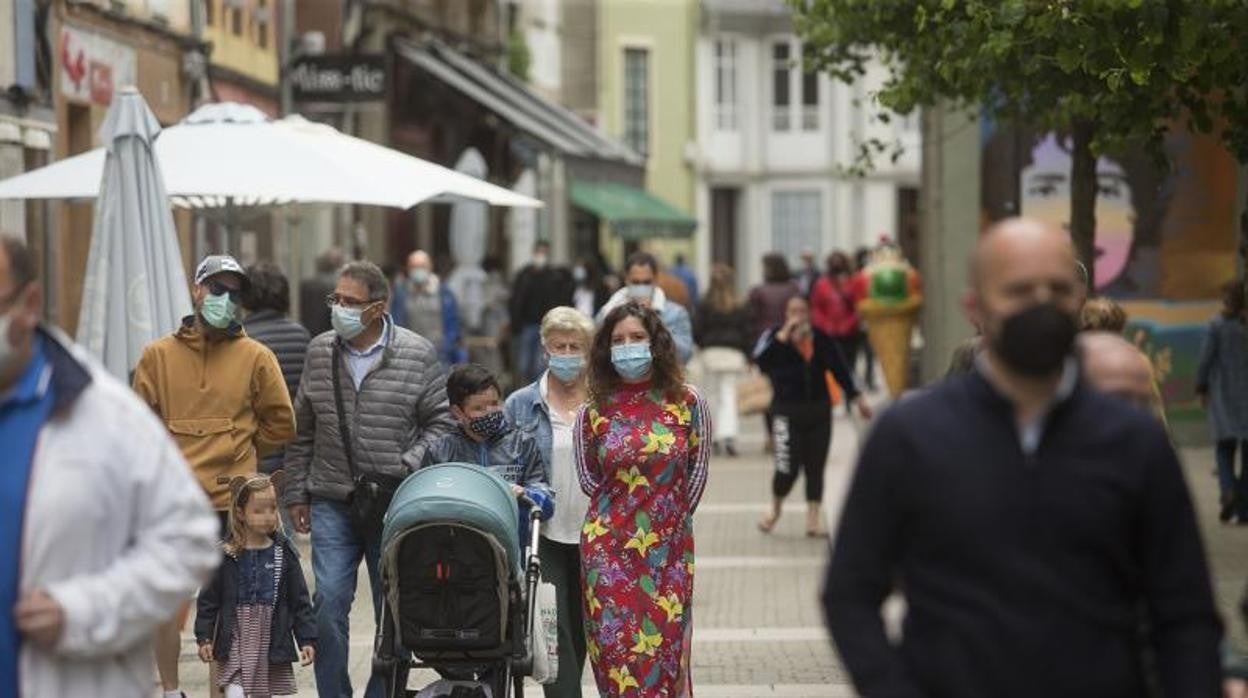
pixel 456 493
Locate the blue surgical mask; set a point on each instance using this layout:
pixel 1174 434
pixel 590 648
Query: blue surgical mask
pixel 489 426
pixel 641 292
pixel 418 276
pixel 631 361
pixel 218 311
pixel 566 367
pixel 579 275
pixel 347 322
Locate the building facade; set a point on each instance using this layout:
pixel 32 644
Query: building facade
pixel 244 37
pixel 98 47
pixel 27 122
pixel 243 65
pixel 775 142
pixel 647 94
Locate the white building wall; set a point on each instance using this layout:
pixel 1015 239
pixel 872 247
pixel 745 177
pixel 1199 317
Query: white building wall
pixel 761 162
pixel 541 24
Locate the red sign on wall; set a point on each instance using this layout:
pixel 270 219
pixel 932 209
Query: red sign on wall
pixel 101 83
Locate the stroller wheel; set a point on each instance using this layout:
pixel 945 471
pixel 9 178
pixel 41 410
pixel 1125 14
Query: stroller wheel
pixel 501 683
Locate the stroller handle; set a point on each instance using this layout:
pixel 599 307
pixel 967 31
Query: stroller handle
pixel 535 510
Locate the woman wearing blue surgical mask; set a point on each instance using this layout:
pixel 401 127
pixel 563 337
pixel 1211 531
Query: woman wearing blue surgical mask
pixel 546 409
pixel 642 446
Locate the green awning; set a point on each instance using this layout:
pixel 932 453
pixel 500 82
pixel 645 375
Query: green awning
pixel 633 214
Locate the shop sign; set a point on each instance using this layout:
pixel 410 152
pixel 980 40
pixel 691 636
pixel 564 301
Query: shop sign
pixel 92 67
pixel 339 78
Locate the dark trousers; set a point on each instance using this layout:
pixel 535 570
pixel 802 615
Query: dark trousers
pixel 869 356
pixel 1233 485
pixel 848 346
pixel 561 566
pixel 803 435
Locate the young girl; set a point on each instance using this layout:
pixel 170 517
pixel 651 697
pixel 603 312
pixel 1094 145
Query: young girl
pixel 257 605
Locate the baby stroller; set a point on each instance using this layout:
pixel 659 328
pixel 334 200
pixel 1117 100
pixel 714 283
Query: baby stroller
pixel 458 586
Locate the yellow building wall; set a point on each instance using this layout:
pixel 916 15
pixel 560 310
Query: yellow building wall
pixel 668 30
pixel 175 14
pixel 242 52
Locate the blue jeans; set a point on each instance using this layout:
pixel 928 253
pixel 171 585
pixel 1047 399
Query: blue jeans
pixel 529 360
pixel 336 555
pixel 1230 484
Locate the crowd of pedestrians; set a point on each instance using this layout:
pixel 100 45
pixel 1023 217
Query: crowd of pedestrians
pixel 1030 506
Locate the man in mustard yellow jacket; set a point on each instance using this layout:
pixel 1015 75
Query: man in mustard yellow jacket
pixel 222 397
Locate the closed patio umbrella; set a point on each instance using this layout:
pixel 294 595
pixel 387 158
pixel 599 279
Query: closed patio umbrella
pixel 135 289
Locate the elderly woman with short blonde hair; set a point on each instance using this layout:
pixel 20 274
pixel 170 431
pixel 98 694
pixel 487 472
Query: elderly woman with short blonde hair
pixel 546 409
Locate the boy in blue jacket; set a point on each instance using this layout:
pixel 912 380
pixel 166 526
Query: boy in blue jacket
pixel 486 438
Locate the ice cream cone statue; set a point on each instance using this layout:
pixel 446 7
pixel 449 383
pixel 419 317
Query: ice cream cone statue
pixel 890 306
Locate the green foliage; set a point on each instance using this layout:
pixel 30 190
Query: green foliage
pixel 519 59
pixel 1128 70
pixel 1130 67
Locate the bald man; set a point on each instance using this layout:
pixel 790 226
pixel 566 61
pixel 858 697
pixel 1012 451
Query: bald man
pixel 1117 367
pixel 1025 516
pixel 963 358
pixel 427 307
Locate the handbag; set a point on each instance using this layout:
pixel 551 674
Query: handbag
pixel 370 492
pixel 545 632
pixel 754 394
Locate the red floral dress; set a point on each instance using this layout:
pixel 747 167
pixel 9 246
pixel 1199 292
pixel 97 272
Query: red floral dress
pixel 642 459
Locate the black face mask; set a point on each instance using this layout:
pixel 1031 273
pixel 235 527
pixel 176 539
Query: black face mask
pixel 1035 341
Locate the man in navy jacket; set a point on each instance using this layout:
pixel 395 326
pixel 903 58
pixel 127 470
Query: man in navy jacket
pixel 1034 525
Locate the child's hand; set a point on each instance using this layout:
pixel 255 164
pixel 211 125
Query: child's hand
pixel 205 652
pixel 517 490
pixel 307 655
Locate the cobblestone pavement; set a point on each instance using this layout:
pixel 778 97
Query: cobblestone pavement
pixel 758 628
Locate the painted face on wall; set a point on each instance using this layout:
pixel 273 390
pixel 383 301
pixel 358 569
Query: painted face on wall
pixel 1046 196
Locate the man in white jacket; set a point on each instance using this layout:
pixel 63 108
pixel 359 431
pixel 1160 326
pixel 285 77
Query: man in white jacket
pixel 104 531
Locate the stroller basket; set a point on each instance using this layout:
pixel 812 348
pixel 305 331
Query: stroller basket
pixel 449 589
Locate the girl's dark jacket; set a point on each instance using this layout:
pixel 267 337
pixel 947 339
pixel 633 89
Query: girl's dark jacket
pixel 796 383
pixel 292 609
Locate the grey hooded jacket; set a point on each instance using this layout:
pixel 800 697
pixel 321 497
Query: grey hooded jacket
pixel 398 412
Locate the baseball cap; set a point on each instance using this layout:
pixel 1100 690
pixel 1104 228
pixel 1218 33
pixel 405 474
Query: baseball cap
pixel 220 264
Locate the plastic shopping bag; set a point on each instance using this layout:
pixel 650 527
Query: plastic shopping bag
pixel 545 632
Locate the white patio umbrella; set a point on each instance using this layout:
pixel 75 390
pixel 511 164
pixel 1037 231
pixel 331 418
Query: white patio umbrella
pixel 135 289
pixel 226 155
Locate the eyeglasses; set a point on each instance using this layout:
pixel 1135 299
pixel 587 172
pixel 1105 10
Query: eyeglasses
pixel 217 288
pixel 347 302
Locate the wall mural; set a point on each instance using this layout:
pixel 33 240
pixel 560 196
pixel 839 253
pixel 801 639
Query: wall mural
pixel 1165 238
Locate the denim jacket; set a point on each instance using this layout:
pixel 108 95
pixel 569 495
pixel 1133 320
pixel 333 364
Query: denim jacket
pixel 526 409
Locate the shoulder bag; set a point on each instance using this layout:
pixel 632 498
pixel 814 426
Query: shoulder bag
pixel 370 492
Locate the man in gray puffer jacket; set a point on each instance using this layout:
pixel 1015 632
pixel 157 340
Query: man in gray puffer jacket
pixel 393 394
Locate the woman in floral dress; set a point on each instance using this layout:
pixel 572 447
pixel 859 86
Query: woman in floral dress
pixel 642 444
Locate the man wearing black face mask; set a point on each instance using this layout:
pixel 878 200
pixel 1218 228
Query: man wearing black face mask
pixel 963 359
pixel 1026 517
